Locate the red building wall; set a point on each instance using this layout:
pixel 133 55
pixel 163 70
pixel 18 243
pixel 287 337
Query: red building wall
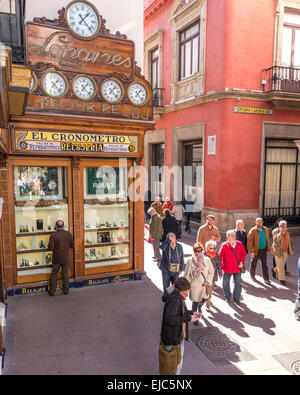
pixel 239 45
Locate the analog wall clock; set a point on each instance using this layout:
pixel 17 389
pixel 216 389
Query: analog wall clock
pixel 33 83
pixel 112 91
pixel 83 19
pixel 54 84
pixel 137 94
pixel 84 87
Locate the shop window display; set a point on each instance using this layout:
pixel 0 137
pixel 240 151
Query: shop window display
pixel 106 216
pixel 41 198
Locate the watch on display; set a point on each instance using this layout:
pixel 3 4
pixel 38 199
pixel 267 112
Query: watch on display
pixel 83 19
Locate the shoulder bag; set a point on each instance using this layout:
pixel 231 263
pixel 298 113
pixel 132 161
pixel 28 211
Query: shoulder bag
pixel 209 288
pixel 174 266
pixel 242 269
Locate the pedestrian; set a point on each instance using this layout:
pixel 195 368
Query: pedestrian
pixel 169 224
pixel 282 247
pixel 199 271
pixel 208 231
pixel 241 233
pixel 157 205
pixel 297 303
pixel 232 255
pixel 172 262
pixel 167 204
pixel 60 243
pixel 188 205
pixel 276 224
pixel 211 252
pixel 147 204
pixel 174 329
pixel 178 211
pixel 258 245
pixel 155 226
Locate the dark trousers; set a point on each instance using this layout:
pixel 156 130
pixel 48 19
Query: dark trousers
pixel 179 228
pixel 262 255
pixel 196 306
pixel 168 278
pixel 65 274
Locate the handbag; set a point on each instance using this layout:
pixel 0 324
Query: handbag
pixel 242 269
pixel 173 267
pixel 209 288
pixel 169 360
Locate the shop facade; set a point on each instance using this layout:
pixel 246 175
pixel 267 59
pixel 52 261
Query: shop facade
pixel 73 153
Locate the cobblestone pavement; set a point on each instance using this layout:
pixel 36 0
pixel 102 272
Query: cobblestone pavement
pixel 263 327
pixel 114 329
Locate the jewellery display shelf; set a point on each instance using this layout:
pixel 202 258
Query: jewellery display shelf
pixel 106 234
pixel 32 243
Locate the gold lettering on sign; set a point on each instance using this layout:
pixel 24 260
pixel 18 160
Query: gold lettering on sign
pixel 77 58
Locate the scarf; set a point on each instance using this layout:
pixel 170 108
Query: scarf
pixel 211 254
pixel 199 265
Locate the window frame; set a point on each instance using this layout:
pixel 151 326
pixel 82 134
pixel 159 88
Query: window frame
pixel 183 43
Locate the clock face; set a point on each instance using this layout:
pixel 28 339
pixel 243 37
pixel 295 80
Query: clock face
pixel 32 83
pixel 54 84
pixel 84 87
pixel 137 94
pixel 112 91
pixel 83 19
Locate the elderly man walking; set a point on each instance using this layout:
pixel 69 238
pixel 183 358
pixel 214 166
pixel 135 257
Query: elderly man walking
pixel 172 262
pixel 282 247
pixel 258 245
pixel 155 225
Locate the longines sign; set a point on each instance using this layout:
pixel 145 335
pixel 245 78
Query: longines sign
pixel 98 56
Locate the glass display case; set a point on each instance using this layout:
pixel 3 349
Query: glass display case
pixel 41 198
pixel 106 217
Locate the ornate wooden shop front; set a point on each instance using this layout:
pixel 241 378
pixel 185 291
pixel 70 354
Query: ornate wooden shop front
pixel 73 152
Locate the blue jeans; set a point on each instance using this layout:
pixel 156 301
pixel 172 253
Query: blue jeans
pixel 179 367
pixel 168 278
pixel 237 279
pixel 298 270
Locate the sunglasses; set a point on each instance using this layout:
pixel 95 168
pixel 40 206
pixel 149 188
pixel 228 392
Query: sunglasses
pixel 212 248
pixel 198 250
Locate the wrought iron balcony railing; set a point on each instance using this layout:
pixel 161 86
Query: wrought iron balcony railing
pixel 157 97
pixel 282 79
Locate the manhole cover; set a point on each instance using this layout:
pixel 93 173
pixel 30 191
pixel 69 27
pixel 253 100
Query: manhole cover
pixel 217 344
pixel 295 366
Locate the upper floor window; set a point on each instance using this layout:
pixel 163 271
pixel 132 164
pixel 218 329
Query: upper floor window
pixel 291 40
pixel 154 58
pixel 189 43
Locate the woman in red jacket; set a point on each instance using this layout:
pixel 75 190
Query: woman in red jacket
pixel 232 255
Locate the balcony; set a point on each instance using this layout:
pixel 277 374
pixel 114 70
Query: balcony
pixel 282 86
pixel 157 97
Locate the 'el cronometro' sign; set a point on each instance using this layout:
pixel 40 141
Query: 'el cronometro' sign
pixel 72 142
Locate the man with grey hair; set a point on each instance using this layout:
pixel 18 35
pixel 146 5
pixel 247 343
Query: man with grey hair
pixel 155 226
pixel 241 234
pixel 172 262
pixel 282 247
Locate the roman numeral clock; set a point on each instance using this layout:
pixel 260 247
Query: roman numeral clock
pixel 79 67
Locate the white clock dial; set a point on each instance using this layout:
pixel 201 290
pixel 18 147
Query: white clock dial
pixel 54 84
pixel 112 91
pixel 137 94
pixel 84 88
pixel 32 83
pixel 82 18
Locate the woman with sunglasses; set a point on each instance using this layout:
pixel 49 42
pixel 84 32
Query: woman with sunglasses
pixel 211 252
pixel 200 272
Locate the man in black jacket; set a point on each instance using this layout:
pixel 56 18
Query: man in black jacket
pixel 174 328
pixel 172 262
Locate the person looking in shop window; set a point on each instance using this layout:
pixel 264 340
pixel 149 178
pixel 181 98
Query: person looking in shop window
pixel 60 243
